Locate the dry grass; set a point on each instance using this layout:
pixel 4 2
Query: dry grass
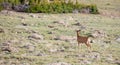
pixel 57 50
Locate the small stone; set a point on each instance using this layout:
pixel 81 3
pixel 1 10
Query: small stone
pixel 32 15
pixel 24 24
pixel 1 30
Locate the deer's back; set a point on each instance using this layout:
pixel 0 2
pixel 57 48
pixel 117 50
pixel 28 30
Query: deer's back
pixel 82 39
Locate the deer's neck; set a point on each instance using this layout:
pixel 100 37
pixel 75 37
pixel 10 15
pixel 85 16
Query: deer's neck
pixel 78 34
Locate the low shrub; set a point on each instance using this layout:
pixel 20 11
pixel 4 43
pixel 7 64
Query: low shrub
pixel 93 9
pixel 1 8
pixel 55 6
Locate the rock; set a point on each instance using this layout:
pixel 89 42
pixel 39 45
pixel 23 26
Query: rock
pixel 85 62
pixel 32 15
pixel 109 58
pixel 8 43
pixel 20 8
pixel 9 49
pixel 95 56
pixel 39 53
pixel 6 48
pixel 36 36
pixel 78 24
pixel 50 26
pixel 24 24
pixel 6 5
pixel 118 39
pixel 53 50
pixel 65 38
pixel 51 32
pixel 59 63
pixel 75 11
pixel 98 34
pixel 85 10
pixel 31 31
pixel 29 46
pixel 105 46
pixel 61 22
pixel 70 18
pixel 21 17
pixel 24 63
pixel 9 46
pixel 117 61
pixel 2 30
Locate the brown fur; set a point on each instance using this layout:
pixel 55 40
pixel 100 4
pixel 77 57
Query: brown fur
pixel 82 40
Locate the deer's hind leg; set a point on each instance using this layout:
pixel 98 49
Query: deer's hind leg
pixel 88 46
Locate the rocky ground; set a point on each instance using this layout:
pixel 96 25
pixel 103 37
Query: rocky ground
pixel 50 39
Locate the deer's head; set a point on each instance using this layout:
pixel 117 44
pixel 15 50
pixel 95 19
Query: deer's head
pixel 78 30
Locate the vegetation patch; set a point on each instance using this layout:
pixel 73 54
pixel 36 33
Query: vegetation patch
pixel 45 6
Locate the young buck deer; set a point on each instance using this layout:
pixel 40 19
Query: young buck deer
pixel 83 40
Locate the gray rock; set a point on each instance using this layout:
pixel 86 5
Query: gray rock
pixel 29 46
pixel 65 38
pixel 39 53
pixel 32 15
pixel 76 11
pixel 118 39
pixel 36 36
pixel 98 34
pixel 117 62
pixel 85 62
pixel 109 58
pixel 64 23
pixel 24 24
pixel 53 50
pixel 8 46
pixel 9 49
pixel 95 56
pixel 78 24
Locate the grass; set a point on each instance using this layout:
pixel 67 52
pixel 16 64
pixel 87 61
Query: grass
pixel 16 32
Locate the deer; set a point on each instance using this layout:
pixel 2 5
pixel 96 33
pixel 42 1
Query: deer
pixel 83 40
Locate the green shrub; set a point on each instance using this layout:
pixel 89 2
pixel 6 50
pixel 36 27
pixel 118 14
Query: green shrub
pixel 1 1
pixel 93 9
pixel 1 8
pixel 56 6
